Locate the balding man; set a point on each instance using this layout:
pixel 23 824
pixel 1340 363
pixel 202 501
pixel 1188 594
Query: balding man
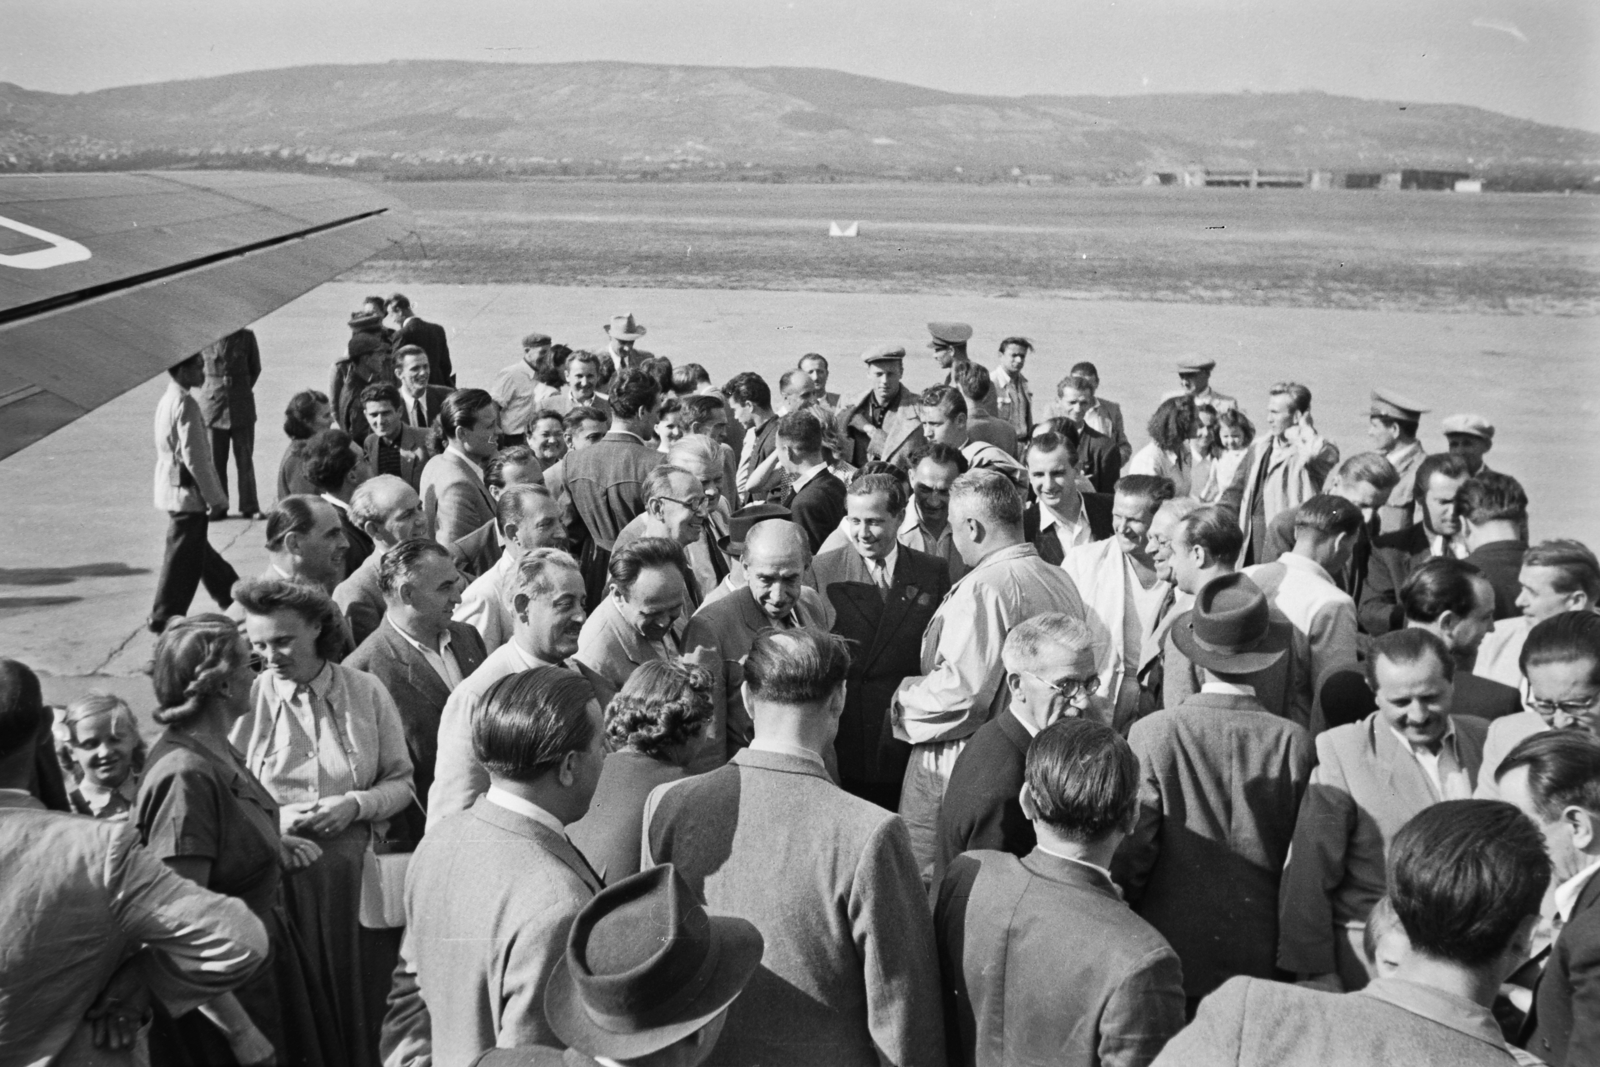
pixel 705 457
pixel 529 520
pixel 1050 671
pixel 642 616
pixel 677 508
pixel 776 558
pixel 388 510
pixel 963 681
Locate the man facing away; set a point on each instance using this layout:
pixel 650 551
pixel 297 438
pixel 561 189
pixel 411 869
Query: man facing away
pixel 1042 960
pixel 1493 511
pixel 963 681
pixel 1465 878
pixel 228 404
pixel 1371 778
pixel 883 595
pixel 491 892
pixel 428 336
pixel 417 651
pixel 815 494
pixel 1282 469
pixel 1050 665
pixel 1221 779
pixel 850 973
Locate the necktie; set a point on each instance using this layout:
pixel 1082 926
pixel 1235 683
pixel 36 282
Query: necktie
pixel 880 574
pixel 417 417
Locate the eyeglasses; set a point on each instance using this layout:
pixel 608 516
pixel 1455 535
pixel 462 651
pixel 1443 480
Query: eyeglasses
pixel 1573 710
pixel 702 506
pixel 1068 687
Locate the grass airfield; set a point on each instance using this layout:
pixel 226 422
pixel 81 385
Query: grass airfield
pixel 83 542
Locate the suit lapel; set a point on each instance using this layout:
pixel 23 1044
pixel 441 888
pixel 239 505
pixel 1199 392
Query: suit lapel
pixel 423 678
pixel 897 604
pixel 1401 775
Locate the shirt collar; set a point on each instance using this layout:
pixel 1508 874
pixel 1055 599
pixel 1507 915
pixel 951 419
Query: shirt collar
pixel 1448 738
pixel 765 744
pixel 1073 859
pixel 1435 1005
pixel 513 803
pixel 1566 894
pixel 98 796
pixel 625 433
pixel 1295 561
pixel 336 502
pixel 806 478
pixel 889 560
pixel 319 685
pixel 444 641
pixel 528 661
pixel 1048 518
pixel 1005 555
pixel 1232 689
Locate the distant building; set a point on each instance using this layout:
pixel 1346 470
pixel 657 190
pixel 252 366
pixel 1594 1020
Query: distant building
pixel 1276 178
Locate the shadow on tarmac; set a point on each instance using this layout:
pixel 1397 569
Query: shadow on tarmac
pixel 63 575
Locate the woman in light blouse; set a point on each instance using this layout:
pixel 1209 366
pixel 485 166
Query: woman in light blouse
pixel 328 744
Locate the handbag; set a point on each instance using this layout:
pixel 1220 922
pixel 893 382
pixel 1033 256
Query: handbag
pixel 383 881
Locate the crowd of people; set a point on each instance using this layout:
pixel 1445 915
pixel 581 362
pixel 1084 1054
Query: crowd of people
pixel 609 715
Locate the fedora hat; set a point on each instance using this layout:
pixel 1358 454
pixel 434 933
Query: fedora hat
pixel 623 328
pixel 1224 630
pixel 741 522
pixel 365 318
pixel 646 966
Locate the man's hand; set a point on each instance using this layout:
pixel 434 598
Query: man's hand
pixel 121 1009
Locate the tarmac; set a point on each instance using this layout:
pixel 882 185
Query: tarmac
pixel 82 542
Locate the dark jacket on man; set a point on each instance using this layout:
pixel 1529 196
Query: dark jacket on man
pixel 233 364
pixel 818 507
pixel 1394 556
pixel 1099 459
pixel 478 551
pixel 429 337
pixel 981 808
pixel 1501 563
pixel 1096 506
pixel 1563 1029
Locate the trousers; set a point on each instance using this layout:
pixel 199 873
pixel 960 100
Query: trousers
pixel 243 441
pixel 922 795
pixel 189 561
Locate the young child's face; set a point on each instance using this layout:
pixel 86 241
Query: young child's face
pixel 1232 437
pixel 103 748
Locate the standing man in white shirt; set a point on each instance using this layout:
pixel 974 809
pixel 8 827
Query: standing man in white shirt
pixel 519 392
pixel 1012 391
pixel 1300 584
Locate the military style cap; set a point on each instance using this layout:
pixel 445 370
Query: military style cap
pixel 1195 365
pixel 882 353
pixel 1391 405
pixel 1475 425
pixel 536 340
pixel 950 333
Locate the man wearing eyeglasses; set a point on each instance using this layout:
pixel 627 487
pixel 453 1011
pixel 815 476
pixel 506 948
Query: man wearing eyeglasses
pixel 1561 665
pixel 676 507
pixel 1049 662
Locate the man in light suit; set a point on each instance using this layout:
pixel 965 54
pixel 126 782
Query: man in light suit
pixel 548 601
pixel 492 892
pixel 882 423
pixel 1281 470
pixel 850 974
pixel 482 548
pixel 775 595
pixel 417 651
pixel 1221 779
pixel 186 487
pixel 528 519
pixel 393 447
pixel 389 511
pixel 883 596
pixel 1049 661
pixel 1371 778
pixel 1016 934
pixel 1554 779
pixel 452 489
pixel 1466 878
pixel 642 616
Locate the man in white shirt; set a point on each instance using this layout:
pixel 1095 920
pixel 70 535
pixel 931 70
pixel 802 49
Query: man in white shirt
pixel 926 527
pixel 529 520
pixel 1556 576
pixel 518 390
pixel 1012 391
pixel 547 599
pixel 1300 584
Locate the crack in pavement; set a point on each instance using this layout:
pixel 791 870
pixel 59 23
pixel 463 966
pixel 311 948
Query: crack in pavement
pixel 122 645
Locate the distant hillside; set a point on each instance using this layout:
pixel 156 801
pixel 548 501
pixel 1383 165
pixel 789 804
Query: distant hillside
pixel 434 117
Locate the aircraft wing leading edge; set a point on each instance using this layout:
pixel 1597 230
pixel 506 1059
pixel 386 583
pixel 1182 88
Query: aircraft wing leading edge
pixel 106 280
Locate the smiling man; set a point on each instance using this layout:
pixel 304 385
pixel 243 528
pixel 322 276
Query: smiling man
pixel 1059 516
pixel 882 423
pixel 642 616
pixel 883 596
pixel 529 521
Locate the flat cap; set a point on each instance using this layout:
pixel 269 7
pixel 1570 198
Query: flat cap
pixel 883 352
pixel 1475 425
pixel 741 521
pixel 536 340
pixel 1195 365
pixel 1391 405
pixel 950 333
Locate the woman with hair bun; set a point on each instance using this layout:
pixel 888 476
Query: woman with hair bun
pixel 653 723
pixel 328 744
pixel 201 811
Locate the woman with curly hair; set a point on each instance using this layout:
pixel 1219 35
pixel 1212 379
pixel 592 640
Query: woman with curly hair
pixel 201 811
pixel 308 414
pixel 1167 454
pixel 652 724
pixel 327 742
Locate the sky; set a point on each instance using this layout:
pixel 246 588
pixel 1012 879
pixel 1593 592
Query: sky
pixel 1535 59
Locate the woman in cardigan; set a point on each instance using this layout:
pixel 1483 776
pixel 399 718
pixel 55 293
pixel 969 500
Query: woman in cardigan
pixel 203 813
pixel 328 744
pixel 652 724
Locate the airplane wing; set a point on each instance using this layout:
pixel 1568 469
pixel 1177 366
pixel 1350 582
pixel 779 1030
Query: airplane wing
pixel 106 280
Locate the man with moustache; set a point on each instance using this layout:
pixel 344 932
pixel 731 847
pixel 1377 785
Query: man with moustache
pixel 548 601
pixel 529 521
pixel 420 396
pixel 776 558
pixel 1395 555
pixel 1059 517
pixel 387 510
pixel 882 423
pixel 883 596
pixel 926 527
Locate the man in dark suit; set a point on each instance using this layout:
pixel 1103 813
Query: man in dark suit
pixel 336 466
pixel 883 596
pixel 428 336
pixel 1098 455
pixel 420 401
pixel 1060 517
pixel 1220 783
pixel 1042 961
pixel 228 405
pixel 1465 878
pixel 815 498
pixel 1395 555
pixel 850 976
pixel 1049 661
pixel 492 891
pixel 417 652
pixel 393 447
pixel 1554 778
pixel 1493 511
